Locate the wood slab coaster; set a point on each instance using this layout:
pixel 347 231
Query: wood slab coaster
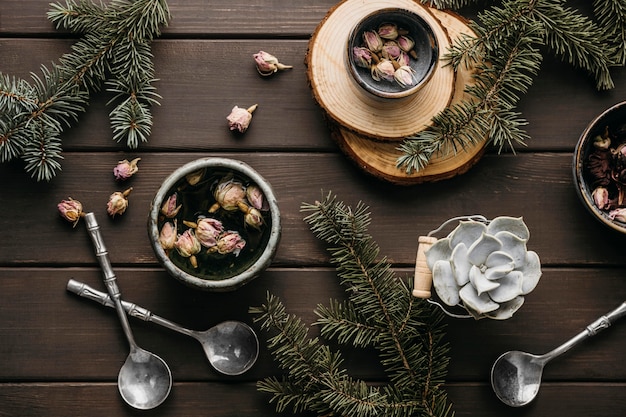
pixel 349 105
pixel 379 158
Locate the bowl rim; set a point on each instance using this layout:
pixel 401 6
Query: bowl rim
pixel 262 262
pixel 580 151
pixel 432 65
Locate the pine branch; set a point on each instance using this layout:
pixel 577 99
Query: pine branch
pixel 379 312
pixel 508 38
pixel 115 42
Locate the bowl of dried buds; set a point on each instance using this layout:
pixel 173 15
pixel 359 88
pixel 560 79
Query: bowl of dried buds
pixel 599 167
pixel 214 224
pixel 392 53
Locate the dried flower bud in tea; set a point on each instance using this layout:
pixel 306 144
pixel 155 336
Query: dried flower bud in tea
pixel 71 210
pixel 168 235
pixel 230 242
pixel 208 230
pixel 229 195
pixel 188 246
pixel 169 208
pixel 256 198
pixel 254 218
pixel 239 118
pixel 267 64
pixel 125 169
pixel 601 197
pixel 118 202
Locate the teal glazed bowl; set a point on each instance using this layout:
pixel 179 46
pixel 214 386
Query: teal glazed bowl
pixel 207 258
pixel 423 55
pixel 595 165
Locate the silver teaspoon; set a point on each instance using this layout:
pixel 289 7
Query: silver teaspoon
pixel 231 347
pixel 516 376
pixel 145 380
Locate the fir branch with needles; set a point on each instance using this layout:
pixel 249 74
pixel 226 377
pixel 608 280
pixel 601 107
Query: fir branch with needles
pixel 506 53
pixel 115 50
pixel 379 313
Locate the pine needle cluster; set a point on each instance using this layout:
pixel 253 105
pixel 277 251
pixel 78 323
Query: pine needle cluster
pixel 115 50
pixel 379 313
pixel 506 54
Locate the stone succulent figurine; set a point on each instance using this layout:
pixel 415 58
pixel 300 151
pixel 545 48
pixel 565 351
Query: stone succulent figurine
pixel 485 267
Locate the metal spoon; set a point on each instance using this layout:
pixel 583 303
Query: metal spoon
pixel 231 347
pixel 516 376
pixel 145 380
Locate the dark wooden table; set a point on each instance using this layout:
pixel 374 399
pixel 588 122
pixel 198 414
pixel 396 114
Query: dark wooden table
pixel 60 355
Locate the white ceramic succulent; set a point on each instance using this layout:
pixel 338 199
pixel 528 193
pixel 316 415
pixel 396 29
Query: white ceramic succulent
pixel 485 268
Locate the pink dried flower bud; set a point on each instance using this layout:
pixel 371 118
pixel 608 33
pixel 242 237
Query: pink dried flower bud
pixel 253 218
pixel 601 197
pixel 405 76
pixel 229 195
pixel 239 118
pixel 384 70
pixel 403 59
pixel 362 56
pixel 405 43
pixel 373 42
pixel 193 178
pixel 71 210
pixel 230 242
pixel 187 245
pixel 388 31
pixel 208 230
pixel 168 235
pixel 118 202
pixel 267 64
pixel 169 208
pixel 618 214
pixel 125 169
pixel 256 198
pixel 391 50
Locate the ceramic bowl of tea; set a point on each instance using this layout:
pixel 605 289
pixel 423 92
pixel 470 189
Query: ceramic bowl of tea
pixel 599 167
pixel 214 224
pixel 392 53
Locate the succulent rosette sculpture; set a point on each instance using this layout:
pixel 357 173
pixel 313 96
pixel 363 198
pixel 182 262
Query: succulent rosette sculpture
pixel 485 268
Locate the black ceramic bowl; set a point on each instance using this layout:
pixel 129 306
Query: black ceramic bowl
pixel 614 118
pixel 423 63
pixel 194 185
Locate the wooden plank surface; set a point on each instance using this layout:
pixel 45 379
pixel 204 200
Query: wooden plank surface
pixel 59 355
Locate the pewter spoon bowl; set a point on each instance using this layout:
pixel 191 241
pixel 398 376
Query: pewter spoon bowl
pixel 516 376
pixel 145 380
pixel 231 347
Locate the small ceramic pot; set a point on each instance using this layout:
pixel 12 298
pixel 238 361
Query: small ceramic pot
pixel 597 152
pixel 217 265
pixel 423 55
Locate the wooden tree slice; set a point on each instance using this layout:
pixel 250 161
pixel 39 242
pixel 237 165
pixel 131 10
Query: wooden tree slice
pixel 379 158
pixel 349 105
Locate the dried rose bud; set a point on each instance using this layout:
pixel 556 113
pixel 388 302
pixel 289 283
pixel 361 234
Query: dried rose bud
pixel 208 230
pixel 405 43
pixel 618 214
pixel 168 235
pixel 601 197
pixel 169 208
pixel 124 169
pixel 405 76
pixel 403 59
pixel 388 31
pixel 239 118
pixel 267 64
pixel 229 195
pixel 118 202
pixel 391 50
pixel 229 242
pixel 602 141
pixel 362 56
pixel 384 70
pixel 71 210
pixel 253 218
pixel 194 178
pixel 256 198
pixel 188 246
pixel 372 41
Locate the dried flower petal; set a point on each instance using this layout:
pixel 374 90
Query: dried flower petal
pixel 267 64
pixel 388 31
pixel 71 210
pixel 600 197
pixel 373 42
pixel 384 70
pixel 230 242
pixel 405 43
pixel 125 169
pixel 256 198
pixel 618 214
pixel 229 195
pixel 391 50
pixel 169 208
pixel 405 76
pixel 208 230
pixel 118 202
pixel 253 218
pixel 188 246
pixel 239 118
pixel 362 56
pixel 194 178
pixel 168 235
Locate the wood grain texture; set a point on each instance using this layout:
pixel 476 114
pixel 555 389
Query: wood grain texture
pixel 60 354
